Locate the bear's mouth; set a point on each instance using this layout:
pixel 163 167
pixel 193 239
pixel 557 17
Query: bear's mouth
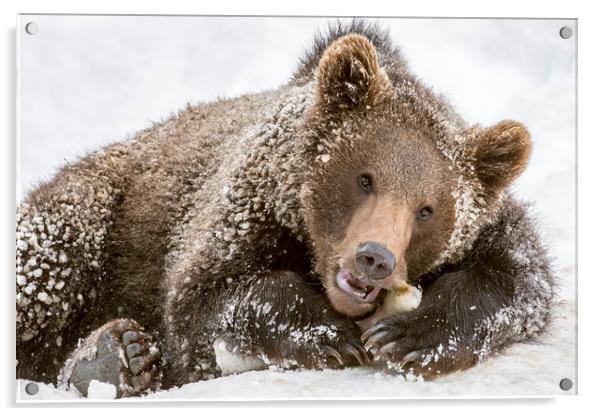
pixel 357 288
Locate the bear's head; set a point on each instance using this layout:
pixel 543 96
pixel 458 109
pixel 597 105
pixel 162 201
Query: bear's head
pixel 398 187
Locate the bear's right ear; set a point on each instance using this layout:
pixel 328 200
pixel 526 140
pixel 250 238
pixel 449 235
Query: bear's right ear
pixel 349 75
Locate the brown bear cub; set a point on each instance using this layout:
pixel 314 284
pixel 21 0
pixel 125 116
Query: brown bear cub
pixel 268 224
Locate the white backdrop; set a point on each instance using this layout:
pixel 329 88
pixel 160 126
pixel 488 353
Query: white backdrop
pixel 87 81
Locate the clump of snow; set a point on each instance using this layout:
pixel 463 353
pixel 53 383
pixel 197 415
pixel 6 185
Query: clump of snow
pixel 233 363
pixel 101 391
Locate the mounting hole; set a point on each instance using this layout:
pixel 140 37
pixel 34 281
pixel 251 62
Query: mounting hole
pixel 566 384
pixel 32 388
pixel 32 28
pixel 565 33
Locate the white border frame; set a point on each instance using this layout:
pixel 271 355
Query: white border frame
pixel 588 150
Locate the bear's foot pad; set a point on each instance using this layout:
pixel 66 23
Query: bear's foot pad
pixel 126 357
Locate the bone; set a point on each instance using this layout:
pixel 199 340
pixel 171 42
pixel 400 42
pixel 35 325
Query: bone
pixel 404 298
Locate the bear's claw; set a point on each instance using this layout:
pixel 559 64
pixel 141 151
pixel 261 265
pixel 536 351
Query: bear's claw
pixel 331 352
pixel 348 352
pixel 343 354
pixel 360 354
pixel 351 351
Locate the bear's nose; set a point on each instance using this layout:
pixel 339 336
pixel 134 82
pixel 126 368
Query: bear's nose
pixel 374 261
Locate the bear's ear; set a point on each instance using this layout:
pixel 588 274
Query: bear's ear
pixel 349 75
pixel 500 155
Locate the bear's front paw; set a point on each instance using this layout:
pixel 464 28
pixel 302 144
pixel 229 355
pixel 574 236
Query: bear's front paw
pixel 344 352
pixel 119 353
pixel 416 346
pixel 327 346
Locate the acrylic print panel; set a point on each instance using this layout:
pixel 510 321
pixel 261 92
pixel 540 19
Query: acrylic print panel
pixel 199 196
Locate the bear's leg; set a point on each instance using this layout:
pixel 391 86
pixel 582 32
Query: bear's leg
pixel 282 319
pixel 276 317
pixel 62 230
pixel 118 353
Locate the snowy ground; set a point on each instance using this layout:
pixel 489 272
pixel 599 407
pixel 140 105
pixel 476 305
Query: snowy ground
pixel 88 81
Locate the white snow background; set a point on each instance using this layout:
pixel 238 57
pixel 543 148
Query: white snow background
pixel 86 81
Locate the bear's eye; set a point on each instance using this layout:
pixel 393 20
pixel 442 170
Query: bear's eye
pixel 365 183
pixel 425 213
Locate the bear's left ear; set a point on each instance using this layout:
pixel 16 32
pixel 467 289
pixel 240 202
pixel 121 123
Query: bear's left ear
pixel 500 154
pixel 349 75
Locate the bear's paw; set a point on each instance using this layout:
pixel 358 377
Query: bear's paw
pixel 415 347
pixel 119 353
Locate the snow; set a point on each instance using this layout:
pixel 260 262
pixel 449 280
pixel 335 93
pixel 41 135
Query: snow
pixel 103 78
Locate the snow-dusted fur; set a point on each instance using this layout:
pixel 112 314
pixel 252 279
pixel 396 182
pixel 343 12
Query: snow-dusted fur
pixel 203 227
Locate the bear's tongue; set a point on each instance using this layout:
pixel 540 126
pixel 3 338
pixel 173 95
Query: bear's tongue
pixel 356 287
